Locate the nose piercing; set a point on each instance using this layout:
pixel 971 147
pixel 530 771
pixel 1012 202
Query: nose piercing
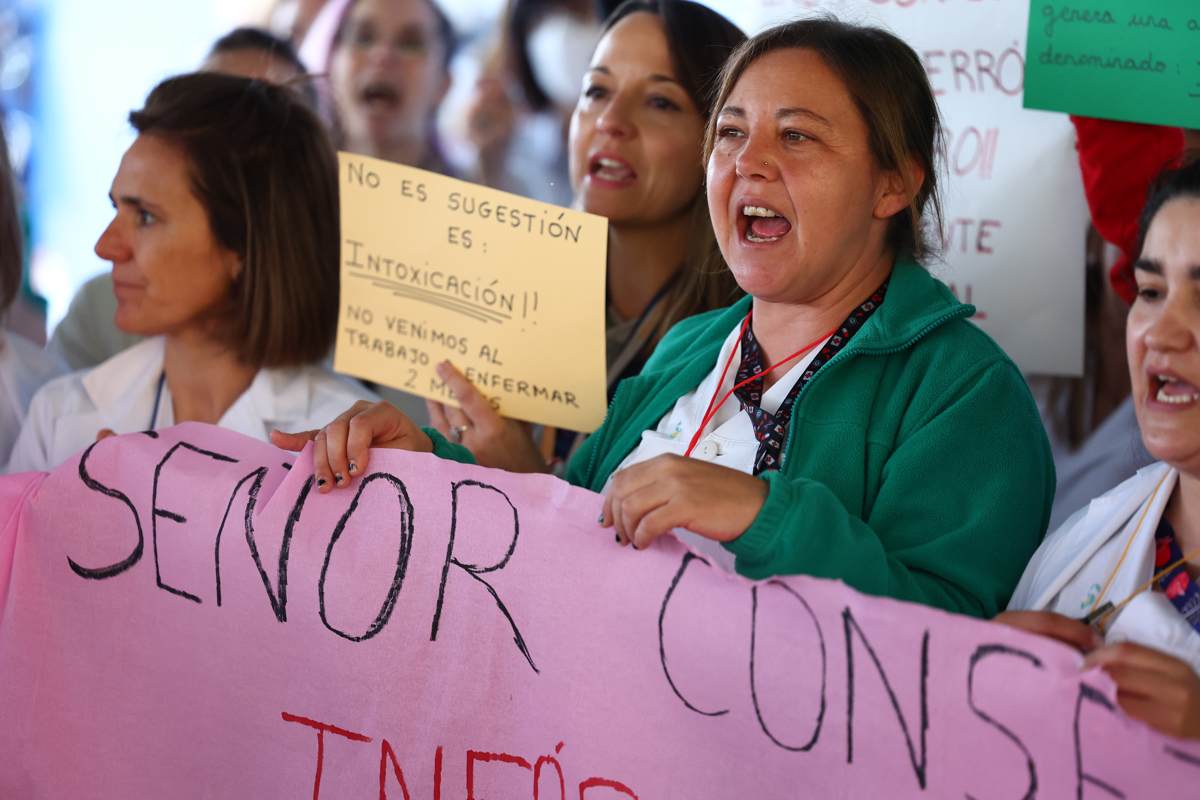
pixel 764 163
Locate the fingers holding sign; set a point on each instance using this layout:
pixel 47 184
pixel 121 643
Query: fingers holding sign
pixel 1055 626
pixel 341 448
pixel 495 441
pixel 646 500
pixel 1152 686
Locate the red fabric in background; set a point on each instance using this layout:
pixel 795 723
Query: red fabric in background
pixel 1119 161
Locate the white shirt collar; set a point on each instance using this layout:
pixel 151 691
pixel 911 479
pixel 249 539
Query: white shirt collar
pixel 123 390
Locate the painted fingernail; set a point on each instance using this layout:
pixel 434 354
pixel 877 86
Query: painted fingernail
pixel 600 519
pixel 321 483
pixel 338 479
pixel 617 538
pixel 353 468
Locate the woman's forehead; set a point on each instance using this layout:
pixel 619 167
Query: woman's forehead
pixel 398 12
pixel 790 77
pixel 1174 234
pixel 637 43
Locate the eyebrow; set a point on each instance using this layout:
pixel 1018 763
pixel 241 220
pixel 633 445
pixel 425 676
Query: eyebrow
pixel 653 78
pixel 133 200
pixel 1155 267
pixel 783 113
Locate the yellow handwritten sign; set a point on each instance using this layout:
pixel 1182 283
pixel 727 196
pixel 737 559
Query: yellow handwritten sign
pixel 510 290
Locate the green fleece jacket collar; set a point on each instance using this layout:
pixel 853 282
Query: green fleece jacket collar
pixel 916 304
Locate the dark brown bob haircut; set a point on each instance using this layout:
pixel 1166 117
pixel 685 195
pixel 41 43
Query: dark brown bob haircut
pixel 699 40
pixel 889 86
pixel 11 247
pixel 265 172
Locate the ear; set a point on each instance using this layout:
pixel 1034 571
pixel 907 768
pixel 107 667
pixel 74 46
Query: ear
pixel 233 265
pixel 897 188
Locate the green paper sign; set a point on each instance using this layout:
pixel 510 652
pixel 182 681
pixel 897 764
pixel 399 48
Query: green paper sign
pixel 1133 60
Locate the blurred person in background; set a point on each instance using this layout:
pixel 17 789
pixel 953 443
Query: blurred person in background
pixel 24 366
pixel 87 335
pixel 520 106
pixel 635 141
pixel 260 54
pixel 387 69
pixel 224 248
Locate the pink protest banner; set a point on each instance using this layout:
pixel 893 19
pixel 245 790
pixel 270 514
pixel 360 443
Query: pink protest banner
pixel 186 617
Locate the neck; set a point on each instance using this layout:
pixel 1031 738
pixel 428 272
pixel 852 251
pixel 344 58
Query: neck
pixel 781 328
pixel 1183 512
pixel 641 260
pixel 204 378
pixel 410 152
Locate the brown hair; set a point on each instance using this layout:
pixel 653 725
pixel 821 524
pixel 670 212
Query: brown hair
pixel 11 252
pixel 699 40
pixel 263 167
pixel 888 85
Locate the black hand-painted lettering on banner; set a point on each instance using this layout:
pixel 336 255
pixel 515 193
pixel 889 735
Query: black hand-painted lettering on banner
pixel 918 761
pixel 405 548
pixel 100 573
pixel 1192 760
pixel 688 558
pixel 475 571
pixel 277 598
pixel 156 511
pixel 816 734
pixel 257 476
pixel 986 651
pixel 1081 777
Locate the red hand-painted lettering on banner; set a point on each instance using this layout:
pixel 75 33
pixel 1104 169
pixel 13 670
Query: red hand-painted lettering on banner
pixel 503 758
pixel 387 755
pixel 605 783
pixel 322 728
pixel 537 774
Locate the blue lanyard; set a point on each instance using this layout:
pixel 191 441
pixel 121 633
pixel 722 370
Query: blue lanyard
pixel 1177 585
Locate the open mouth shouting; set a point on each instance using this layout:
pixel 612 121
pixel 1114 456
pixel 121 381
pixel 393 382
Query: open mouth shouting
pixel 759 224
pixel 379 97
pixel 1171 390
pixel 610 169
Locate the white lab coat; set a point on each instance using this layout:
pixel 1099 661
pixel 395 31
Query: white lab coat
pixel 1073 563
pixel 24 368
pixel 119 394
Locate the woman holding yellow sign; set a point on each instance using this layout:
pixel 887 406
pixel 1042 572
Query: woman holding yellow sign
pixel 633 141
pixel 845 420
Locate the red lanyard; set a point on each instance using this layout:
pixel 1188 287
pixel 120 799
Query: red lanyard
pixel 712 409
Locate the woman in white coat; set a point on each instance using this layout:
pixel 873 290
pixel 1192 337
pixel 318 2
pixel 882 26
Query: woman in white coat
pixel 1129 562
pixel 23 365
pixel 224 251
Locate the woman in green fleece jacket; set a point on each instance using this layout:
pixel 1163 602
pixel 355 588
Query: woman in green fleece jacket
pixel 845 420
